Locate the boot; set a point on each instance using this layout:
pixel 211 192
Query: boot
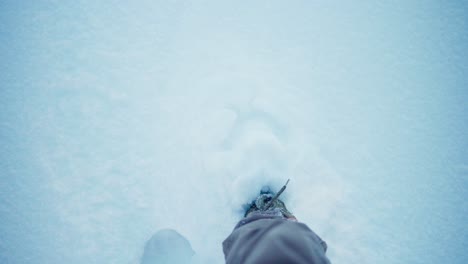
pixel 260 204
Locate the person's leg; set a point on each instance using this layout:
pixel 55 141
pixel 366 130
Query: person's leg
pixel 274 240
pixel 167 246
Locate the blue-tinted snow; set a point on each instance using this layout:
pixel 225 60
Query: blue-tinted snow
pixel 120 119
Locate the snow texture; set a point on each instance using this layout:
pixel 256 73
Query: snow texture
pixel 122 118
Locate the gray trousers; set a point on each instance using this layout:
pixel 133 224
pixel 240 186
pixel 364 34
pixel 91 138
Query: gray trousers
pixel 269 238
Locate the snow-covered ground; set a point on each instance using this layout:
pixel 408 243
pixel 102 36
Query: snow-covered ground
pixel 118 119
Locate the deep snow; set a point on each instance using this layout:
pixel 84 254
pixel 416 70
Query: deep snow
pixel 120 119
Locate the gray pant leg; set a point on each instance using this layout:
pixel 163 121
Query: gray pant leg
pixel 274 240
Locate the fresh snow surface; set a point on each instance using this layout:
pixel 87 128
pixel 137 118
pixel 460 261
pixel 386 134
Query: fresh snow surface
pixel 121 118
